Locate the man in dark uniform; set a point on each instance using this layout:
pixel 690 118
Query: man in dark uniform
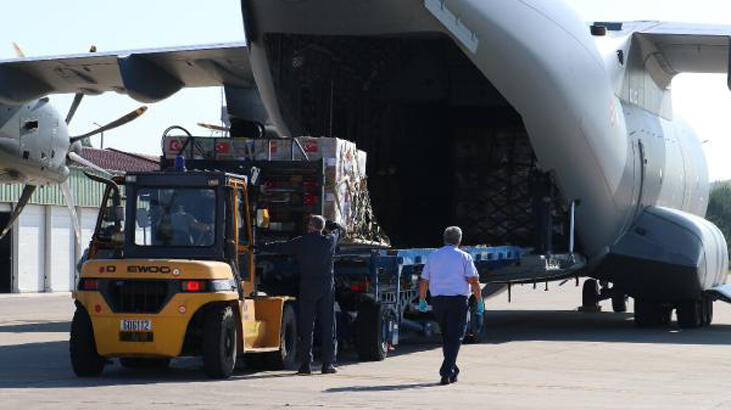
pixel 314 252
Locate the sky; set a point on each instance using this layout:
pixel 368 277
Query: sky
pixel 46 27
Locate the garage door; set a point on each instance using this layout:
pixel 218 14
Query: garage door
pixel 31 247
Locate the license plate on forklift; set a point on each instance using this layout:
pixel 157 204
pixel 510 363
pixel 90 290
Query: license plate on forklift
pixel 135 325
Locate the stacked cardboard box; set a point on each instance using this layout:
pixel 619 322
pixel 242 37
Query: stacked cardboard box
pixel 346 193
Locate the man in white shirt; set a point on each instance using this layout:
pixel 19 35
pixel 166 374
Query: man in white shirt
pixel 450 274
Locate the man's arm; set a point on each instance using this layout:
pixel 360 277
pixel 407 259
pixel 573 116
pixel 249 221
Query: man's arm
pixel 475 287
pixel 423 287
pixel 336 230
pixel 288 248
pixel 473 278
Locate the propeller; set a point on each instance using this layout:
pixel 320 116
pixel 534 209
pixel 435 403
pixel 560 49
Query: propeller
pixel 114 124
pixel 77 98
pixel 214 127
pixel 18 52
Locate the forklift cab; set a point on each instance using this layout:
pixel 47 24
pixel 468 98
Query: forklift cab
pixel 191 215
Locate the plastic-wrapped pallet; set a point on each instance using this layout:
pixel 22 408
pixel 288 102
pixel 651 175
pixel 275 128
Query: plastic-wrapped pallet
pixel 346 193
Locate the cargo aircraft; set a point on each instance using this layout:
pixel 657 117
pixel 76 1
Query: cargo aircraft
pixel 514 119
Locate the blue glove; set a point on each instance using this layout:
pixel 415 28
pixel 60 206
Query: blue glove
pixel 422 306
pixel 480 307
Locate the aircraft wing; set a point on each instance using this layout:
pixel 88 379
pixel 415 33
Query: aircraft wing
pixel 146 75
pixel 669 49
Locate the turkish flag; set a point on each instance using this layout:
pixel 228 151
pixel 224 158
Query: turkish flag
pixel 222 147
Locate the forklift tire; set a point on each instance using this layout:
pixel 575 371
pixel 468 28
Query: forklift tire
pixel 85 360
pixel 145 362
pixel 219 342
pixel 286 357
pixel 371 331
pixel 475 324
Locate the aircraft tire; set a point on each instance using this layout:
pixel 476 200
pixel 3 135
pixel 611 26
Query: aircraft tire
pixel 690 314
pixel 219 342
pixel 590 294
pixel 619 303
pixel 650 314
pixel 709 311
pixel 85 360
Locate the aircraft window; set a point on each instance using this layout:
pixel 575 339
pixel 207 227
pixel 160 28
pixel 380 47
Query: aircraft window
pixel 31 125
pixel 175 217
pixel 26 154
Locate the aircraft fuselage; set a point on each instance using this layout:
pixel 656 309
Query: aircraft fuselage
pixel 595 119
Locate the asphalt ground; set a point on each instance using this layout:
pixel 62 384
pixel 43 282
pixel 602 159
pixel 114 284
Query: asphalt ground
pixel 539 352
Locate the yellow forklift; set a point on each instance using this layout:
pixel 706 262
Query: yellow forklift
pixel 172 273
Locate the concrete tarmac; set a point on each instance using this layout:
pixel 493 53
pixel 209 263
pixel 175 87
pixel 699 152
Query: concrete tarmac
pixel 538 353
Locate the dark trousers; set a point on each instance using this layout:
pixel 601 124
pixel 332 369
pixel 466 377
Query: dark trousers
pixel 323 308
pixel 451 314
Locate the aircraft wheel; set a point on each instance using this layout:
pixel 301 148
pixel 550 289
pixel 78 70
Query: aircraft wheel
pixel 690 314
pixel 650 313
pixel 590 294
pixel 709 311
pixel 619 303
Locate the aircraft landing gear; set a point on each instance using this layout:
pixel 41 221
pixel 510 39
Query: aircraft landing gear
pixel 650 313
pixel 695 313
pixel 590 296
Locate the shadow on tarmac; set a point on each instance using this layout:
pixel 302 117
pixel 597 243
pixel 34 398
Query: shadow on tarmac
pixel 45 327
pixel 504 326
pixel 46 364
pixel 392 387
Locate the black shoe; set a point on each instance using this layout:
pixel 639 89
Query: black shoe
pixel 329 369
pixel 304 371
pixel 445 380
pixel 453 379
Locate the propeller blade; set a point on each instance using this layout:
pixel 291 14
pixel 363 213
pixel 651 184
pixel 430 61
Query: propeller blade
pixel 74 106
pixel 214 127
pixel 66 190
pixel 22 202
pixel 18 52
pixel 77 97
pixel 114 124
pixel 80 160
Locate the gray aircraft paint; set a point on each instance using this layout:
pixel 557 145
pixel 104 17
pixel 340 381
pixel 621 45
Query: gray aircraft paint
pixel 604 128
pixel 37 129
pixel 601 124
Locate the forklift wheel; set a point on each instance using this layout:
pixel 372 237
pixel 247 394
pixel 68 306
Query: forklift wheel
pixel 372 330
pixel 286 356
pixel 84 358
pixel 219 342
